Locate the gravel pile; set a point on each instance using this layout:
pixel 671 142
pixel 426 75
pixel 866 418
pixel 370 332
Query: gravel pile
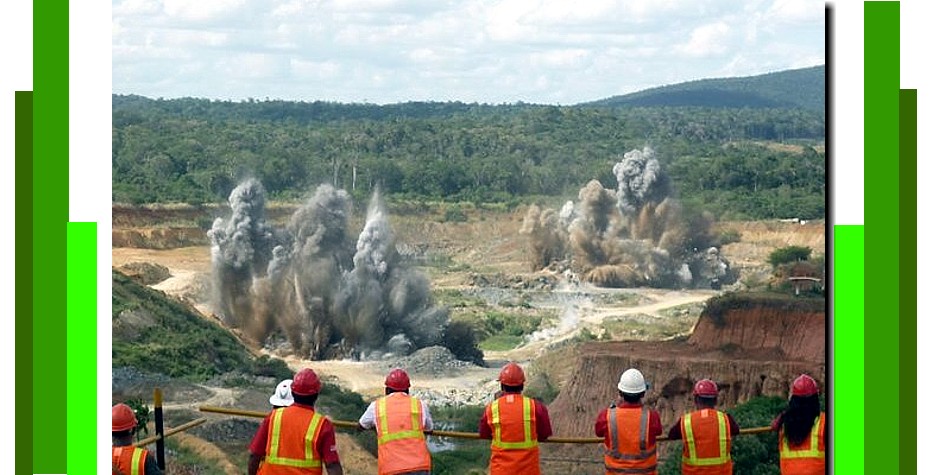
pixel 146 273
pixel 430 361
pixel 482 394
pixel 130 383
pixel 227 430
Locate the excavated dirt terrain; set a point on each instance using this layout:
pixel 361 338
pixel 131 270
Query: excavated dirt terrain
pixel 749 353
pixel 752 355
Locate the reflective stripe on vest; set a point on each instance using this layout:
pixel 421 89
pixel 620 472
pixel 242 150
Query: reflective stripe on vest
pixel 399 425
pixel 724 455
pixel 528 442
pixel 382 423
pixel 813 451
pixel 309 460
pixel 137 461
pixel 615 442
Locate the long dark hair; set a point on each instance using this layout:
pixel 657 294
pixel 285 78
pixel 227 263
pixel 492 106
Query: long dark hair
pixel 799 418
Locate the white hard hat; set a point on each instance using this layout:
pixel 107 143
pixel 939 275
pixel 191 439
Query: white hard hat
pixel 632 382
pixel 282 395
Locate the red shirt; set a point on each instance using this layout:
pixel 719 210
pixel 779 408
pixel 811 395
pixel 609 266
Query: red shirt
pixel 326 444
pixel 543 426
pixel 656 426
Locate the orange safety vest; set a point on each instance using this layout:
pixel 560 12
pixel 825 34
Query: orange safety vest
pixel 128 460
pixel 515 446
pixel 627 451
pixel 706 440
pixel 399 425
pixel 807 458
pixel 292 440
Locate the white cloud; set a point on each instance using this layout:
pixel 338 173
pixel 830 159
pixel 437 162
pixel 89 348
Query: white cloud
pixel 252 66
pixel 136 7
pixel 561 58
pixel 475 50
pixel 707 40
pixel 203 11
pixel 315 69
pixel 796 11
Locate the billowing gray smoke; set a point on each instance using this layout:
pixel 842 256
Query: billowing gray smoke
pixel 639 181
pixel 327 295
pixel 634 236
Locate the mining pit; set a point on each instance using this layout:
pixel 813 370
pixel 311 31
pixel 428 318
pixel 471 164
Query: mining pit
pixel 749 351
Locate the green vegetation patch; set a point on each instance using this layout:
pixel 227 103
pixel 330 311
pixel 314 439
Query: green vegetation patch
pixel 462 456
pixel 192 150
pixel 752 454
pixel 456 298
pixel 500 342
pixel 157 334
pixel 717 307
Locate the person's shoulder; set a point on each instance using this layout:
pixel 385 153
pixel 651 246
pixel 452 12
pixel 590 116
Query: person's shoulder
pixel 326 423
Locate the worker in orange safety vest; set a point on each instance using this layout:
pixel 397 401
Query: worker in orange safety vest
pixel 296 440
pixel 125 458
pixel 400 422
pixel 801 430
pixel 629 429
pixel 706 434
pixel 516 424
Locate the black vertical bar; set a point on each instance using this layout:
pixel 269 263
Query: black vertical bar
pixel 158 425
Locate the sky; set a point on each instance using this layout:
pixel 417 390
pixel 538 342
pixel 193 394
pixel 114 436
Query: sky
pixel 488 51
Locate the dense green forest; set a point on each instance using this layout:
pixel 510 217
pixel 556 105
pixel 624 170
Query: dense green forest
pixel 722 159
pixel 803 88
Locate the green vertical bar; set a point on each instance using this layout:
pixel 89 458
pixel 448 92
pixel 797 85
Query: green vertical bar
pixel 882 83
pixel 907 394
pixel 82 354
pixel 50 215
pixel 849 347
pixel 24 277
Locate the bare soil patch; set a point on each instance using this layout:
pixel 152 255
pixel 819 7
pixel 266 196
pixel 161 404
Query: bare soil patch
pixel 485 251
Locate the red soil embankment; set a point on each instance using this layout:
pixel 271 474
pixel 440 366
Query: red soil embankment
pixel 750 346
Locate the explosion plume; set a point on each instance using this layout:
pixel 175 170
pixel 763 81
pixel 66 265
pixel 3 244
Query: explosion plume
pixel 325 293
pixel 635 236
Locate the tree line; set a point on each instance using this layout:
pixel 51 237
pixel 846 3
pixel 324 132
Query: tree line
pixel 196 151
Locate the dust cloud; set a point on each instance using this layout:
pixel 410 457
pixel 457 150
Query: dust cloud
pixel 312 283
pixel 636 235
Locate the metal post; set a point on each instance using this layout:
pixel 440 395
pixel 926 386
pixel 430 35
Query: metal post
pixel 158 425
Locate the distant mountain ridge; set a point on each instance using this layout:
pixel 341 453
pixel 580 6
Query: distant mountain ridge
pixel 795 88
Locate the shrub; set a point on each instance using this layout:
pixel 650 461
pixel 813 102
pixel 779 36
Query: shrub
pixel 453 214
pixel 788 254
pixel 142 413
pixel 752 454
pixel 462 342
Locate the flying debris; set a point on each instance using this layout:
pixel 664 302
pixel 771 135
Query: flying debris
pixel 327 294
pixel 636 235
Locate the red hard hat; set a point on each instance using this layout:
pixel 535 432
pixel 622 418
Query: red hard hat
pixel 705 388
pixel 398 380
pixel 512 375
pixel 122 418
pixel 306 383
pixel 804 385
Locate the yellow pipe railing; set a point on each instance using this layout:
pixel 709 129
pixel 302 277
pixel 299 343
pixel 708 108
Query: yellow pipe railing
pixel 169 432
pixel 445 433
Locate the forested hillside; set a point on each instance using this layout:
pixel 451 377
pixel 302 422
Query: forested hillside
pixel 799 88
pixel 731 161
